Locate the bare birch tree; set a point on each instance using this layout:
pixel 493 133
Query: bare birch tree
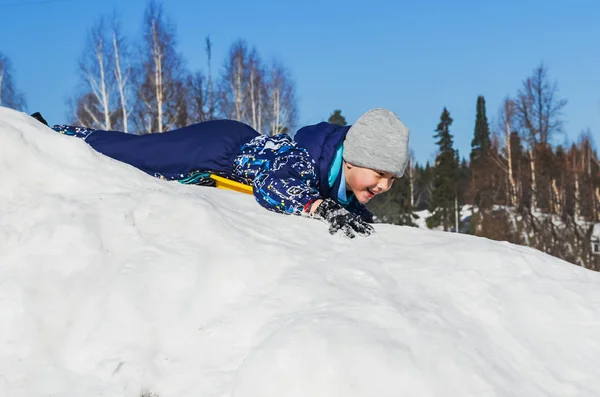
pixel 576 167
pixel 202 98
pixel 262 97
pixel 506 119
pixel 256 90
pixel 538 112
pixel 95 105
pixel 234 82
pixel 9 95
pixel 282 100
pixel 161 105
pixel 105 68
pixel 122 70
pixel 198 92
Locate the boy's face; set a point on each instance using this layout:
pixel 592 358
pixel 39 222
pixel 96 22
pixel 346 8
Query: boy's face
pixel 366 183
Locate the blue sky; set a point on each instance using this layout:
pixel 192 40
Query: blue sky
pixel 414 57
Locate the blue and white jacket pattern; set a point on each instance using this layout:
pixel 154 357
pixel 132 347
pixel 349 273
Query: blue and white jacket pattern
pixel 286 174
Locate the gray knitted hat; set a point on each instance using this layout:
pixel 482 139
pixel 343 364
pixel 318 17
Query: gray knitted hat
pixel 378 140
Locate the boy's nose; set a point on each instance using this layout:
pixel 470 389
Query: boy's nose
pixel 384 184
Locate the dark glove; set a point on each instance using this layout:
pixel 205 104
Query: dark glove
pixel 341 220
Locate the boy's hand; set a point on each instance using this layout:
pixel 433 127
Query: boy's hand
pixel 341 220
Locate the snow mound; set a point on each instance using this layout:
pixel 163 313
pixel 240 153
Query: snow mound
pixel 114 283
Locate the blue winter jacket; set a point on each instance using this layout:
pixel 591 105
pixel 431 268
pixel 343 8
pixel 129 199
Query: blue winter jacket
pixel 287 174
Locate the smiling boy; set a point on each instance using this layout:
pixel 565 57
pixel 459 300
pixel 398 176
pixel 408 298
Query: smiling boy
pixel 374 152
pixel 326 171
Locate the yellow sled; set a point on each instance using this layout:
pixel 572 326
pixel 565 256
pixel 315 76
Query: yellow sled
pixel 228 184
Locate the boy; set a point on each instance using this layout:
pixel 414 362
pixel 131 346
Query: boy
pixel 327 171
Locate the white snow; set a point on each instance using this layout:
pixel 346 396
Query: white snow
pixel 596 231
pixel 114 283
pixel 466 211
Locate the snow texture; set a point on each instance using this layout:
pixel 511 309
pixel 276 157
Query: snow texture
pixel 114 283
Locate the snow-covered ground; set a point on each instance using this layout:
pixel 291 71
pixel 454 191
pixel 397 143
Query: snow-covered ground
pixel 113 283
pixel 421 221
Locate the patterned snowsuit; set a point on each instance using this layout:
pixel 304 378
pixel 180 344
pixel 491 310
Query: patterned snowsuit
pixel 287 174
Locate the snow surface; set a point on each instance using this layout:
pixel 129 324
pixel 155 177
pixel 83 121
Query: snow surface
pixel 421 221
pixel 114 283
pixel 596 231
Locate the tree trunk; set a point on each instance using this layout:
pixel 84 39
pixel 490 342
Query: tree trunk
pixel 238 89
pixel 260 114
pixel 120 83
pixel 103 92
pixel 99 89
pixel 412 185
pixel 91 113
pixel 456 213
pixel 158 78
pixel 556 199
pixel 253 96
pixel 533 183
pixel 276 108
pixel 596 205
pixel 577 197
pixel 512 190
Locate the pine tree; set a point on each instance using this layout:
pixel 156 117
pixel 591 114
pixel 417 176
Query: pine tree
pixel 444 188
pixel 481 179
pixel 481 140
pixel 337 118
pixel 463 173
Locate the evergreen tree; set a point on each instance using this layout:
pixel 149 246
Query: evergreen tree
pixel 337 118
pixel 463 173
pixel 444 187
pixel 481 190
pixel 481 140
pixel 463 183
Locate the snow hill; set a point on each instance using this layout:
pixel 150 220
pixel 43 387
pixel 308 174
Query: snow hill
pixel 114 283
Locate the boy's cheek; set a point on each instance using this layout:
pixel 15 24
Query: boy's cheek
pixel 362 197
